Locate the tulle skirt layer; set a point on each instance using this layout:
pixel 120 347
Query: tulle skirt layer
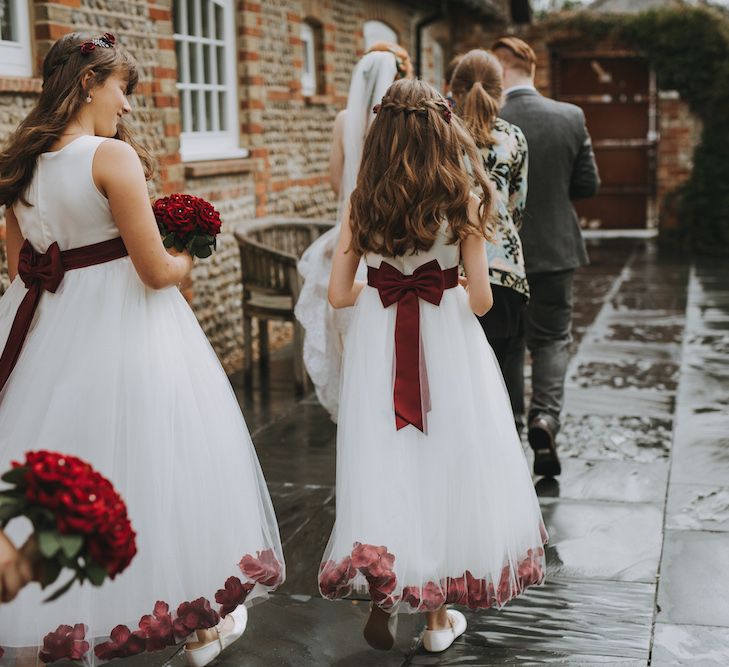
pixel 324 327
pixel 447 516
pixel 123 377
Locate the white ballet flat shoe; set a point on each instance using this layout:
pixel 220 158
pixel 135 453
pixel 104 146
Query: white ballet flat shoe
pixel 378 634
pixel 204 655
pixel 436 641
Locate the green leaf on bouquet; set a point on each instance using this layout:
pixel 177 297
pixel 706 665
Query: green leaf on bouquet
pixel 57 594
pixel 209 239
pixel 203 252
pixel 16 476
pixel 179 245
pixel 95 573
pixel 169 240
pixel 50 569
pixel 49 543
pixel 9 511
pixel 71 544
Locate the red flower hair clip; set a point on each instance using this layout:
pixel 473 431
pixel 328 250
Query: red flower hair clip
pixel 106 41
pixel 376 108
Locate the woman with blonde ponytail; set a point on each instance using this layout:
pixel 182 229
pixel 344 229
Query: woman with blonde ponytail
pixel 477 87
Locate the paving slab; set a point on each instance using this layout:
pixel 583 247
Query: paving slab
pixel 691 645
pixel 600 540
pixel 694 588
pixel 701 449
pixel 698 507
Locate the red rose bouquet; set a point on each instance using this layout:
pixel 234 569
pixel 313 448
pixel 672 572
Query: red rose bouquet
pixel 80 522
pixel 187 223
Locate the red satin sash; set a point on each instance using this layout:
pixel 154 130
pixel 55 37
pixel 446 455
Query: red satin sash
pixel 44 272
pixel 427 282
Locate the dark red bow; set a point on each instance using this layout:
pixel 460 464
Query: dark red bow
pixel 427 282
pixel 43 272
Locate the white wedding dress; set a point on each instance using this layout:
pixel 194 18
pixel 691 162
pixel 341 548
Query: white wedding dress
pixel 123 377
pixel 448 515
pixel 324 327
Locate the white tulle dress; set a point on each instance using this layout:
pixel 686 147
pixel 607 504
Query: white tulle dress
pixel 123 377
pixel 448 515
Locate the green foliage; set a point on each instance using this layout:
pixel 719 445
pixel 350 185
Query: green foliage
pixel 688 49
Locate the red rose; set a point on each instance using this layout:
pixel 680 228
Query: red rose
pixel 123 643
pixel 195 615
pixel 233 595
pixel 87 47
pixel 109 38
pixel 66 642
pixel 481 594
pixel 456 590
pixel 265 569
pixel 335 578
pixel 156 627
pixel 507 586
pixel 432 596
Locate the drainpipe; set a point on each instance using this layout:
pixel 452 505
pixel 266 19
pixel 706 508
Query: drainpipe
pixel 419 27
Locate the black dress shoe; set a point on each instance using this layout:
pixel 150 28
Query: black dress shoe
pixel 541 440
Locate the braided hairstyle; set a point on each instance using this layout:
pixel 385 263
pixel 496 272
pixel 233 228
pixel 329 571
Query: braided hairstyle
pixel 67 63
pixel 414 175
pixel 477 85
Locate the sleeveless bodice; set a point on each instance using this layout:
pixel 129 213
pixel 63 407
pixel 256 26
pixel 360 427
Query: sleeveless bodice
pixel 447 254
pixel 66 206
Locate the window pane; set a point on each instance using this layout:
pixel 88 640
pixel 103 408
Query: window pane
pixel 219 22
pixel 192 28
pixel 210 121
pixel 208 67
pixel 222 111
pixel 221 64
pixel 177 10
pixel 205 9
pixel 198 120
pixel 196 76
pixel 180 48
pixel 7 21
pixel 186 111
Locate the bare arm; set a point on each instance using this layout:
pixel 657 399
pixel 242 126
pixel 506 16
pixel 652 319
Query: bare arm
pixel 336 154
pixel 343 288
pixel 473 251
pixel 13 242
pixel 118 173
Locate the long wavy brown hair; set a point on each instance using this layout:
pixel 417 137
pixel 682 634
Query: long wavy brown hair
pixel 477 85
pixel 414 175
pixel 63 93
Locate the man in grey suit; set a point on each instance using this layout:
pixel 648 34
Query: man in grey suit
pixel 561 168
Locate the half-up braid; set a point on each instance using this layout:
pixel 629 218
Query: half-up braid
pixel 413 176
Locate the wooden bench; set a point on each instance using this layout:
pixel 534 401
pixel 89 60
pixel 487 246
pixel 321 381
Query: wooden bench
pixel 270 249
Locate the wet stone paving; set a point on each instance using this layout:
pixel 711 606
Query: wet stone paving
pixel 638 520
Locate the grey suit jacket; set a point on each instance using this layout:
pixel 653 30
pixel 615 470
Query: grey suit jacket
pixel 561 168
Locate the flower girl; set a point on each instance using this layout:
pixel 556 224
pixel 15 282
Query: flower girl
pixel 435 504
pixel 103 359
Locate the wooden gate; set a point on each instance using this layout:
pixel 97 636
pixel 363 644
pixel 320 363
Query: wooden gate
pixel 616 90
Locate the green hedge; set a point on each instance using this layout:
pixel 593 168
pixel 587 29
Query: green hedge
pixel 689 50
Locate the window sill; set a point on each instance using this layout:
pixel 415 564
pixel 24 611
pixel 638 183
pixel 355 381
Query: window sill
pixel 220 167
pixel 318 100
pixel 20 84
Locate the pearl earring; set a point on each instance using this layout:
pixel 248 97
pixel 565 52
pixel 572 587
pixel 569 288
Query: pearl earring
pixel 88 99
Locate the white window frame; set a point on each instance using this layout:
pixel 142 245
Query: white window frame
pixel 214 143
pixel 309 85
pixel 377 31
pixel 16 56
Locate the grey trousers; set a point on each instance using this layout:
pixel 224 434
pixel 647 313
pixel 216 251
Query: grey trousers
pixel 547 334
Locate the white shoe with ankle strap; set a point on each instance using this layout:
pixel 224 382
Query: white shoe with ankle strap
pixel 204 655
pixel 436 641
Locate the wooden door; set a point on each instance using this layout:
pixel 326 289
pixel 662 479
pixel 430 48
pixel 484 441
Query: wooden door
pixel 617 93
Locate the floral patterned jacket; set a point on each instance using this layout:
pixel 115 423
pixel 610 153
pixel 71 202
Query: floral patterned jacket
pixel 506 164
